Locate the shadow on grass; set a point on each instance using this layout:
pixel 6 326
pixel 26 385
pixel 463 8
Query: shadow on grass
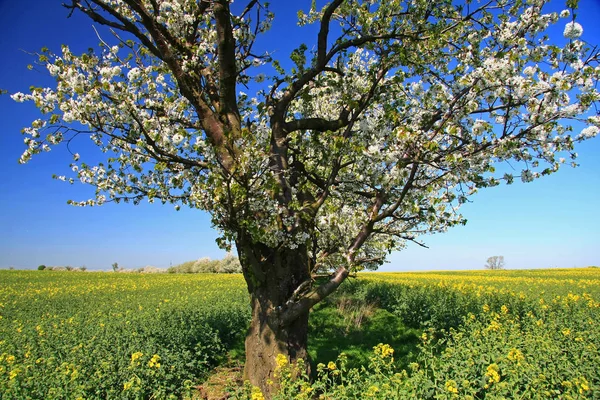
pixel 333 331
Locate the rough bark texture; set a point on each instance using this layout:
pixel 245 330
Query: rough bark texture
pixel 266 339
pixel 272 276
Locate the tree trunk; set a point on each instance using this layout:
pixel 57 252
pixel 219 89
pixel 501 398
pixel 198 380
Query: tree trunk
pixel 272 276
pixel 266 339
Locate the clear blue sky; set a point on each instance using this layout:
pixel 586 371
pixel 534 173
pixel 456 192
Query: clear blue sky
pixel 552 222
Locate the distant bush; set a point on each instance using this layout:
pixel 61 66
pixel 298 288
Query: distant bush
pixel 63 268
pixel 149 269
pixel 228 265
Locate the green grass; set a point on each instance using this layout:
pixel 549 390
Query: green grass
pixel 332 332
pixel 353 332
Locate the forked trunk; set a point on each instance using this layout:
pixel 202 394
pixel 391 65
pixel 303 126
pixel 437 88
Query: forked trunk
pixel 273 276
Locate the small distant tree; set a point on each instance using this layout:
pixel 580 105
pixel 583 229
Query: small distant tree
pixel 115 266
pixel 83 268
pixel 41 267
pixel 495 262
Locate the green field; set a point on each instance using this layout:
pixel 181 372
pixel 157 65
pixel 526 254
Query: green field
pixel 466 334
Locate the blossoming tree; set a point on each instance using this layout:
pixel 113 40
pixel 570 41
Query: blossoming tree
pixel 373 133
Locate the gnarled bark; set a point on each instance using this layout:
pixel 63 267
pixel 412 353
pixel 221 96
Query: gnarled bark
pixel 267 337
pixel 273 277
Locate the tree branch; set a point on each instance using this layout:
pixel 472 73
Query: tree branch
pixel 318 124
pixel 125 25
pixel 226 58
pixel 294 309
pixel 324 32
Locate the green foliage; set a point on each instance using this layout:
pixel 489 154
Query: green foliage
pixel 114 336
pixel 550 353
pixel 227 265
pixel 516 334
pixel 454 335
pixel 348 323
pixel 41 267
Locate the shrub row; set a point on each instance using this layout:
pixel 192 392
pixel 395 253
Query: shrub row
pixel 228 265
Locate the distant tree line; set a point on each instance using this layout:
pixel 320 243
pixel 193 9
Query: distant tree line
pixel 228 265
pixel 61 268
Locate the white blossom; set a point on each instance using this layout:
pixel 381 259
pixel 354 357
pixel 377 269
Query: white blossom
pixel 529 71
pixel 18 97
pixel 589 132
pixel 134 73
pixel 177 138
pixel 573 30
pixel 454 111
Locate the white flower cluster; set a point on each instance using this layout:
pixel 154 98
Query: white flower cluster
pixel 422 128
pixel 589 132
pixel 573 30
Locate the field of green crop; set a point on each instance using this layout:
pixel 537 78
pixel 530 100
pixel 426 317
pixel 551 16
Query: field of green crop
pixel 69 335
pixel 466 334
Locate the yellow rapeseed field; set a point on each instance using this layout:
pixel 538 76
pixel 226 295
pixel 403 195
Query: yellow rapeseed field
pixel 483 334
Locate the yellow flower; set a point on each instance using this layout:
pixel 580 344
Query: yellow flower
pixel 281 360
pixel 257 394
pixel 515 355
pixel 331 366
pixel 504 309
pixel 13 374
pixel 384 350
pixel 154 361
pixel 135 356
pixel 583 385
pixel 493 326
pixel 566 331
pixel 486 308
pixel 451 386
pixel 372 390
pixel 492 372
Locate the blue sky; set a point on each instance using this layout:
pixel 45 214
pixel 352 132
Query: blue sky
pixel 552 222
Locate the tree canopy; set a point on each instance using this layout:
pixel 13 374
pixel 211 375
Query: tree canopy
pixel 371 134
pixel 371 139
